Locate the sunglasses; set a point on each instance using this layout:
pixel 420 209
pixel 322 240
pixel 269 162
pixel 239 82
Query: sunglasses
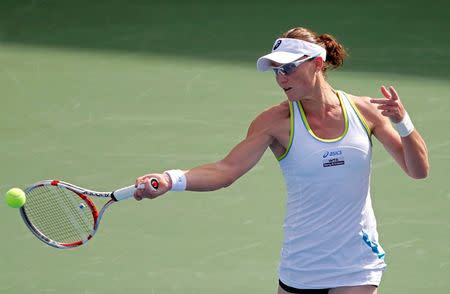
pixel 288 68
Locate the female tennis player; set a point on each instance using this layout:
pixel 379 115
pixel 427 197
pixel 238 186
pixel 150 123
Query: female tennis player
pixel 322 139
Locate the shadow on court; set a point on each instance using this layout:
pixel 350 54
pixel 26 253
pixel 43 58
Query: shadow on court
pixel 405 37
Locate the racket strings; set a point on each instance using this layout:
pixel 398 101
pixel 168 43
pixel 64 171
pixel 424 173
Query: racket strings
pixel 59 214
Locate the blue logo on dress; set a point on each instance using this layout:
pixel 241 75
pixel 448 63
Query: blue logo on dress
pixel 332 153
pixel 374 246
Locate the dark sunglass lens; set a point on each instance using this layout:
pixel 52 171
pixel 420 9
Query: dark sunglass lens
pixel 289 68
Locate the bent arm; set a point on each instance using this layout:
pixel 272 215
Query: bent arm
pixel 409 151
pixel 415 153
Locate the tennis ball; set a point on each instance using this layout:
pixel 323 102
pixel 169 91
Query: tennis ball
pixel 15 198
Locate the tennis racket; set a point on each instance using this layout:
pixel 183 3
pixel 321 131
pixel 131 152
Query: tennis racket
pixel 63 215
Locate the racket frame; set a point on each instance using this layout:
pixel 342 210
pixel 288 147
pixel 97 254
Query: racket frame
pixel 84 195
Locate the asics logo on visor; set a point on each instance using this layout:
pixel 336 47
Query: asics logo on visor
pixel 277 44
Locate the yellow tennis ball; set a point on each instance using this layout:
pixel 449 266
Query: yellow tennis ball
pixel 15 197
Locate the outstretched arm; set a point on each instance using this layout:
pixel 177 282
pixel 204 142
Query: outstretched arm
pixel 406 146
pixel 213 176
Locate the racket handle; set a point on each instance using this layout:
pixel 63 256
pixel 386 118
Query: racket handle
pixel 128 192
pixel 123 193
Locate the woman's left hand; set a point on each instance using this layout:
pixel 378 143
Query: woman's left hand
pixel 391 106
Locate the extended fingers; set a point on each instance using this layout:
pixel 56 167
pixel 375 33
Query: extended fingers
pixel 391 94
pixel 392 98
pixel 387 106
pixel 385 92
pixel 394 94
pixel 391 105
pixel 384 102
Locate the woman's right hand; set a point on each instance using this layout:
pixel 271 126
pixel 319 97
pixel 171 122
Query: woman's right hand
pixel 164 185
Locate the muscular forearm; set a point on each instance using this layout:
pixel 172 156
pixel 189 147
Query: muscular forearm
pixel 415 155
pixel 209 177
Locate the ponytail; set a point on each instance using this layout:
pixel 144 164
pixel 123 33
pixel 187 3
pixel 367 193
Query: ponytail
pixel 336 53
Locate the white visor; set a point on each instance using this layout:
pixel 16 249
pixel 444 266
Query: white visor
pixel 286 50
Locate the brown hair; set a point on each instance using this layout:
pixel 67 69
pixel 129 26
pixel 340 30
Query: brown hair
pixel 336 53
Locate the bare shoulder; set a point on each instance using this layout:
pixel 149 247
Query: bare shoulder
pixel 269 119
pixel 368 110
pixel 362 102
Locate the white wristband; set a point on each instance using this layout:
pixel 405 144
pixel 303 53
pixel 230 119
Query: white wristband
pixel 178 179
pixel 405 127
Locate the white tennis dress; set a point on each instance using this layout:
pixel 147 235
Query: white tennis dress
pixel 330 234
